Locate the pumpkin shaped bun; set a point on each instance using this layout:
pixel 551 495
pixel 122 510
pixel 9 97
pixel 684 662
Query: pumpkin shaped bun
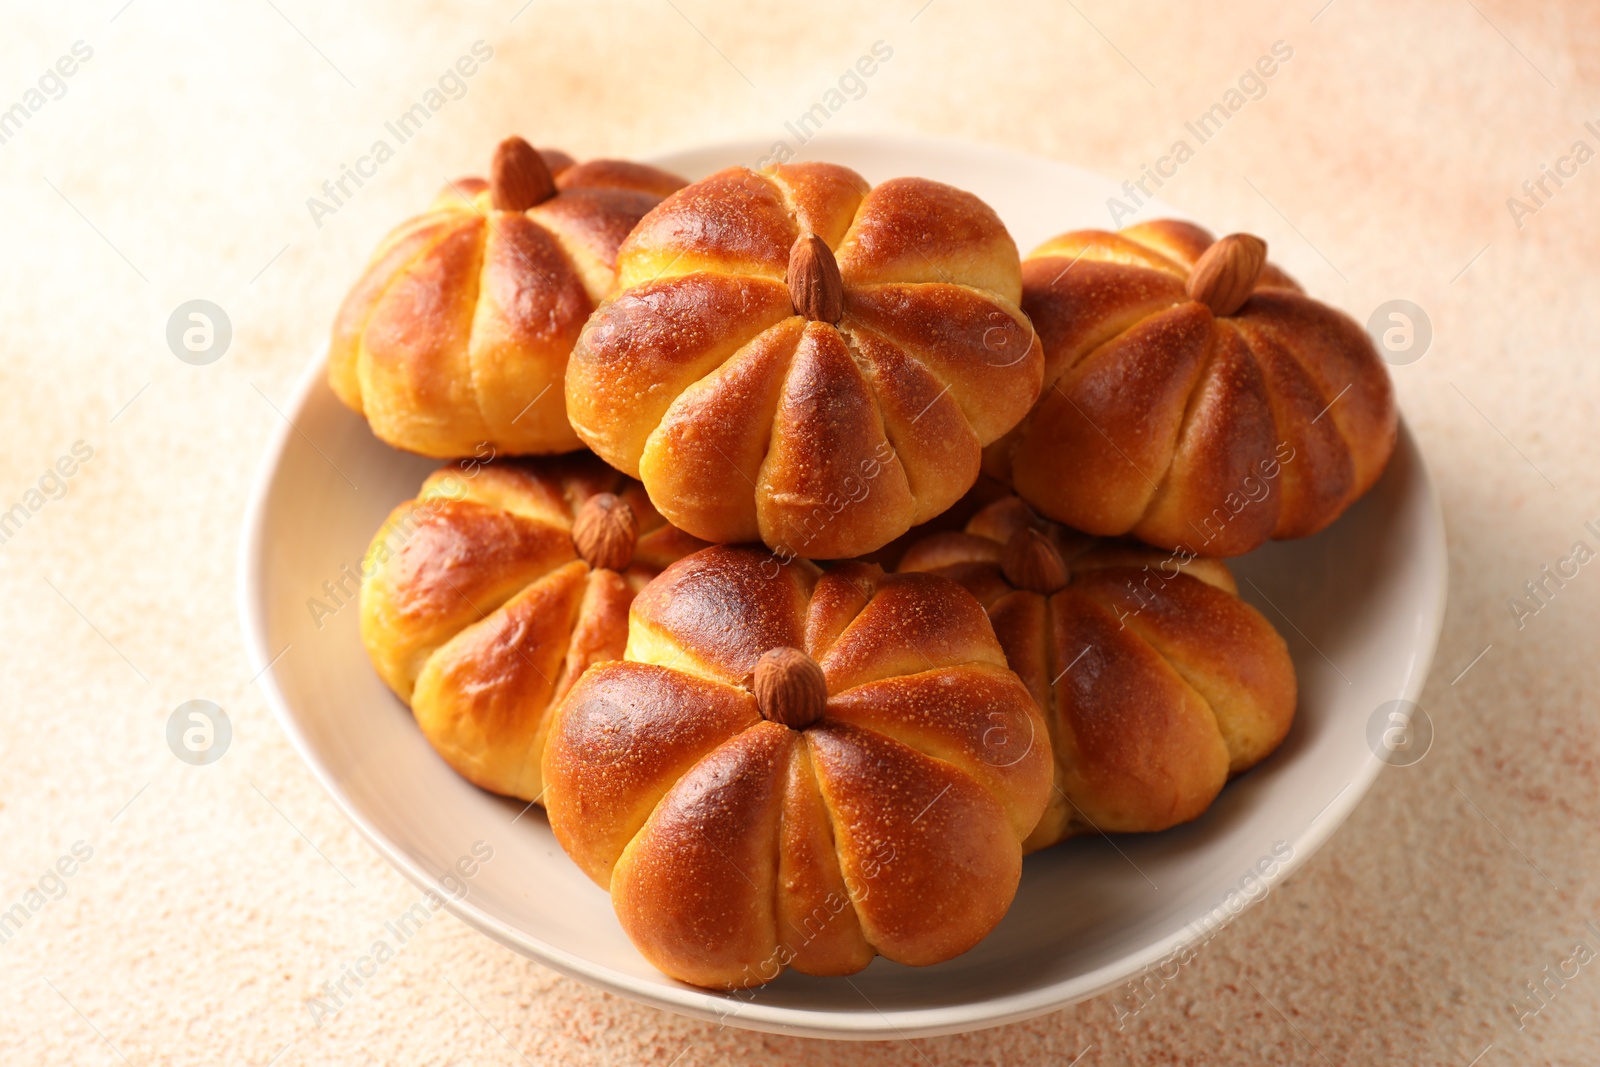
pixel 1158 683
pixel 793 768
pixel 796 357
pixel 1193 396
pixel 457 333
pixel 485 598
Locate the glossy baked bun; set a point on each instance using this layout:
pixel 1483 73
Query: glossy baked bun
pixel 1194 397
pixel 795 357
pixel 799 769
pixel 486 597
pixel 458 332
pixel 1158 682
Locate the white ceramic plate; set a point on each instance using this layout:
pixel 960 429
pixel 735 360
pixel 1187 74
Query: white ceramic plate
pixel 1360 605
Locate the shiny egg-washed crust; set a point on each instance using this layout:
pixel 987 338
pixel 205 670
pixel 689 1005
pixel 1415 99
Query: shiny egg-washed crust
pixel 747 422
pixel 457 333
pixel 1158 683
pixel 478 612
pixel 1160 420
pixel 733 846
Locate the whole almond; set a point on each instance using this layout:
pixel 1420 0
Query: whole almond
pixel 790 688
pixel 1224 277
pixel 605 532
pixel 519 178
pixel 815 287
pixel 1030 561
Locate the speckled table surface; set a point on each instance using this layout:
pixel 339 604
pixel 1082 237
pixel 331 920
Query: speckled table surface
pixel 166 152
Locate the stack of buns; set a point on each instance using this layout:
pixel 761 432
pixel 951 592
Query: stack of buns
pixel 827 556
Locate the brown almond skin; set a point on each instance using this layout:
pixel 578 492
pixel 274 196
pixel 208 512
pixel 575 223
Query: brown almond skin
pixel 519 178
pixel 1226 275
pixel 605 532
pixel 789 688
pixel 813 279
pixel 1031 562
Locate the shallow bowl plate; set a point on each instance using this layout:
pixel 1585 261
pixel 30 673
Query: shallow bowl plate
pixel 1360 604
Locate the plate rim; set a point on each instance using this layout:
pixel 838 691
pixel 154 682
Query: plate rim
pixel 684 999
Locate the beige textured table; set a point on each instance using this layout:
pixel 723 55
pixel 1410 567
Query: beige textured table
pixel 175 162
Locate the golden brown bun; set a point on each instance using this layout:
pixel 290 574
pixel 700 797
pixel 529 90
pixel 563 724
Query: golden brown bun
pixel 1157 681
pixel 734 846
pixel 748 422
pixel 478 612
pixel 457 333
pixel 1183 428
pixel 985 491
